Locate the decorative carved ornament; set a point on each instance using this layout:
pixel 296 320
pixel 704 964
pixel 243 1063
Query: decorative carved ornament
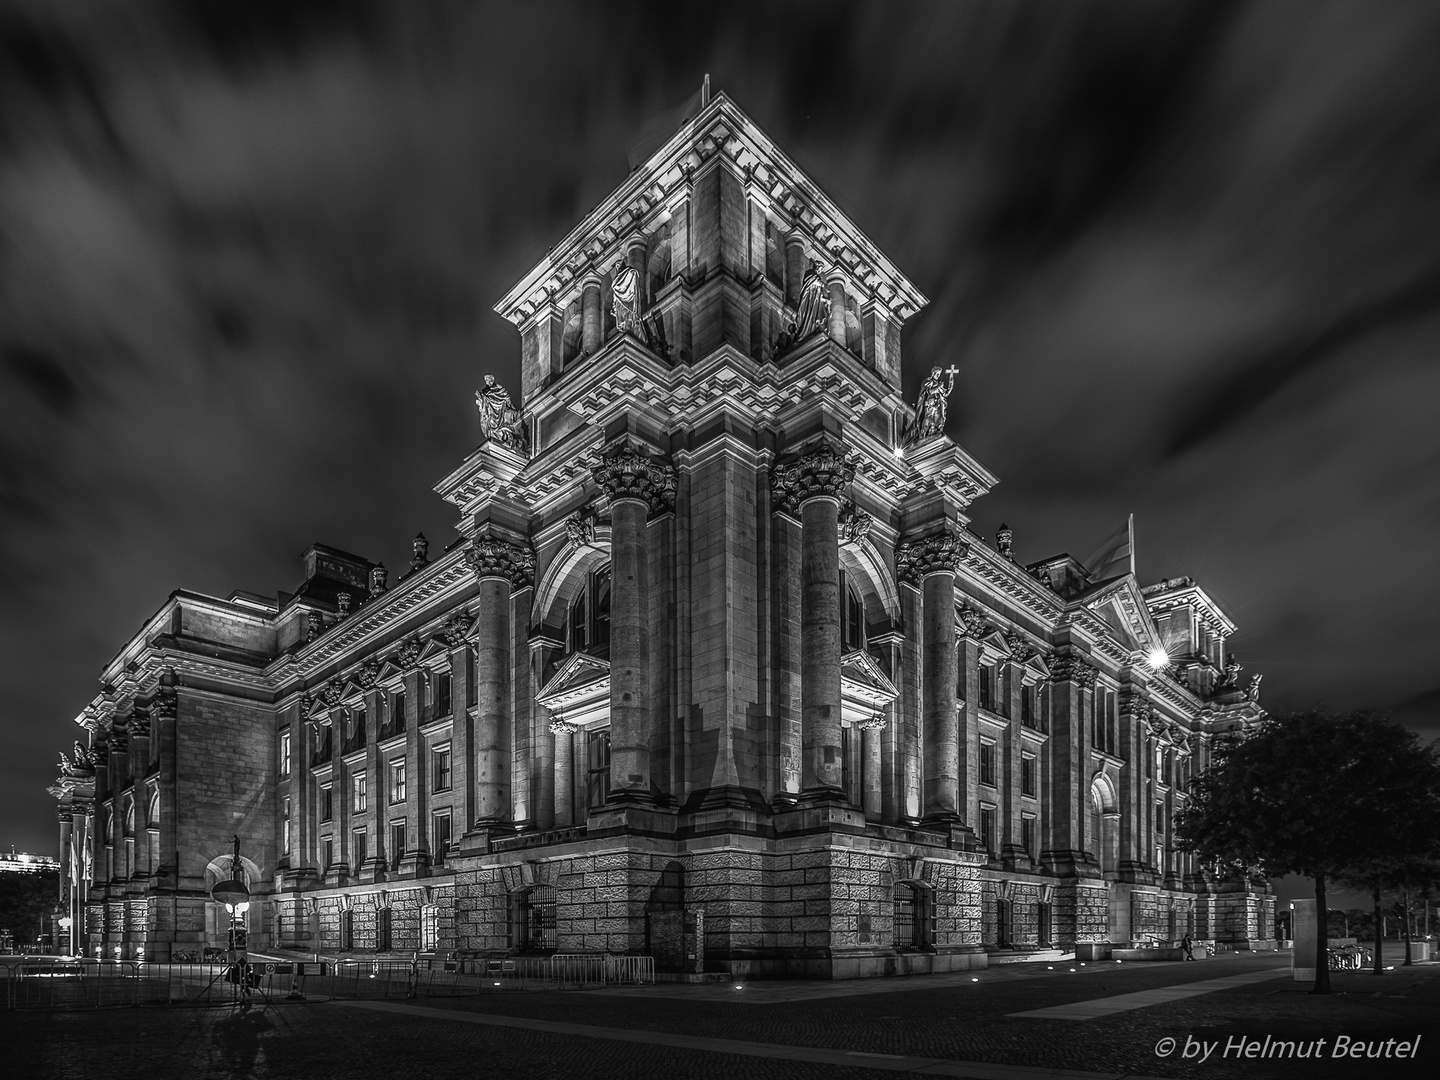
pixel 1020 649
pixel 332 692
pixel 454 630
pixel 562 727
pixel 580 527
pixel 875 723
pixel 490 556
pixel 854 525
pixel 1068 667
pixel 972 624
pixel 408 655
pixel 823 471
pixel 165 700
pixel 314 625
pixel 938 554
pixel 627 473
pixel 368 674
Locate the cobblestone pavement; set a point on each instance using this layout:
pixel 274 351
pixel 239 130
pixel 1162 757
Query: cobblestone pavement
pixel 951 1019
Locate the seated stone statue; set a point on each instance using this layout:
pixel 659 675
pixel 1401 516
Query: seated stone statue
pixel 499 419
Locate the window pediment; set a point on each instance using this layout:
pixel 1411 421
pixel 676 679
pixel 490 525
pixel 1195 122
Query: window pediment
pixel 580 688
pixel 864 688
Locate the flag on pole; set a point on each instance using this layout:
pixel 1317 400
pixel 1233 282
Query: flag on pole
pixel 657 131
pixel 1116 555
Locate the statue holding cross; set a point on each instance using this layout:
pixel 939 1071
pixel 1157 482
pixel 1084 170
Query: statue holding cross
pixel 930 406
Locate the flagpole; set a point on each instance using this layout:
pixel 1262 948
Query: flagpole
pixel 1132 545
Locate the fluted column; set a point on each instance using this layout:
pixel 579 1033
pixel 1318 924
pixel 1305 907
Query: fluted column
pixel 564 772
pixel 638 486
pixel 592 322
pixel 871 732
pixel 816 483
pixel 499 566
pixel 931 563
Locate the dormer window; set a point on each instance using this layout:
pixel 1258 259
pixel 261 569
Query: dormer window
pixel 588 625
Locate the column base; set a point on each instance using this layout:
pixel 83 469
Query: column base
pixel 370 871
pixel 414 864
pixel 824 796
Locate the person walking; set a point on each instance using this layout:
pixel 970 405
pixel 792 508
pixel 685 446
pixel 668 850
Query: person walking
pixel 1187 946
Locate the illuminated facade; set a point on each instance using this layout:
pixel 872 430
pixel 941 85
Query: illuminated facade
pixel 715 671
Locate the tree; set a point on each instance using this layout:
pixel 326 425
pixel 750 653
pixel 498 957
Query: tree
pixel 1317 794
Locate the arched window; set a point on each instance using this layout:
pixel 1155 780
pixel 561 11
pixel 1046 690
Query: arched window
pixel 153 814
pixel 852 630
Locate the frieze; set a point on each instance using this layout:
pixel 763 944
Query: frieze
pixel 627 473
pixel 490 556
pixel 821 472
pixel 1068 667
pixel 941 553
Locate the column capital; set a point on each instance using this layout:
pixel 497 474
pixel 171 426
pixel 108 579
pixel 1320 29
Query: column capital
pixel 563 727
pixel 490 556
pixel 821 471
pixel 165 697
pixel 1070 667
pixel 630 473
pixel 939 553
pixel 875 723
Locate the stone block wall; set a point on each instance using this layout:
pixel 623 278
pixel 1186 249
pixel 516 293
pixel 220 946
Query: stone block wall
pixel 1081 912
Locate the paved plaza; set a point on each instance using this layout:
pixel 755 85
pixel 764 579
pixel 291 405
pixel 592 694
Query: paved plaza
pixel 1014 1023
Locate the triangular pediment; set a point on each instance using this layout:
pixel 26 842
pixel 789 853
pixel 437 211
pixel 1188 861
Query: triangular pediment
pixel 864 687
pixel 1122 607
pixel 580 683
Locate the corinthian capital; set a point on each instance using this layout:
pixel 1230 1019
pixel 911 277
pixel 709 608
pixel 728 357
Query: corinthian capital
pixel 490 556
pixel 821 472
pixel 937 554
pixel 627 473
pixel 1069 667
pixel 562 727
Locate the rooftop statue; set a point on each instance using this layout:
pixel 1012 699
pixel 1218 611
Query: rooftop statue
pixel 931 405
pixel 625 298
pixel 812 310
pixel 499 419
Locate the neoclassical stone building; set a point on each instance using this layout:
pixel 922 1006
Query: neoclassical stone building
pixel 715 670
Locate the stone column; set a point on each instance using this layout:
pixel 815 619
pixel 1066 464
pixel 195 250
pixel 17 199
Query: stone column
pixel 931 562
pixel 564 772
pixel 119 754
pixel 416 857
pixel 1068 764
pixel 871 737
pixel 592 320
pixel 835 283
pixel 638 486
pixel 816 483
pixel 499 565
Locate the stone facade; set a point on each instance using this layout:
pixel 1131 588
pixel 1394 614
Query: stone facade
pixel 716 671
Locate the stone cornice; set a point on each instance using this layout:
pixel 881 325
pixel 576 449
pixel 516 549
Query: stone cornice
pixel 720 133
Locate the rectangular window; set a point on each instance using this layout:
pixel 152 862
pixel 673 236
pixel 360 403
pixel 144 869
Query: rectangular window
pixel 327 803
pixel 904 917
pixel 440 695
pixel 440 828
pixel 285 825
pixel 358 848
pixel 1027 835
pixel 397 713
pixel 430 927
pixel 327 854
pixel 440 768
pixel 987 828
pixel 397 780
pixel 285 752
pixel 361 788
pixel 597 767
pixel 987 762
pixel 397 843
pixel 987 687
pixel 1027 775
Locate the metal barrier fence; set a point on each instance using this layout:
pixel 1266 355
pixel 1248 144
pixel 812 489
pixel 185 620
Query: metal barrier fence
pixel 65 983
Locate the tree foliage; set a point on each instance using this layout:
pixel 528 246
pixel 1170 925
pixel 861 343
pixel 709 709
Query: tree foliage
pixel 1323 795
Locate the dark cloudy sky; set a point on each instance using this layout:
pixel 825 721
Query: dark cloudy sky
pixel 1187 258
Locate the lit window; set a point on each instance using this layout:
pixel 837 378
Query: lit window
pixel 361 788
pixel 430 927
pixel 440 768
pixel 285 753
pixel 397 780
pixel 285 825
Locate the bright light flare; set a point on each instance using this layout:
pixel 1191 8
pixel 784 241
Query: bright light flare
pixel 1158 658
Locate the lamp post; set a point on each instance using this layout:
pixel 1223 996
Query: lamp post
pixel 236 898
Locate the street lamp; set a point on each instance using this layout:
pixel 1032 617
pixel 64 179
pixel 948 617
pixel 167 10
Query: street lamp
pixel 235 897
